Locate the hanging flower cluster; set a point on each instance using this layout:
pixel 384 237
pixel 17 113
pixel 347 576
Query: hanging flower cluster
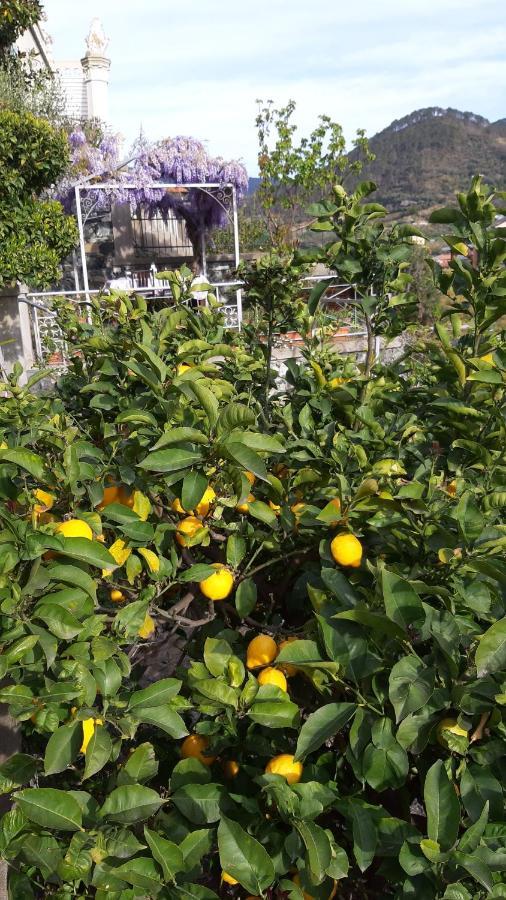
pixel 179 160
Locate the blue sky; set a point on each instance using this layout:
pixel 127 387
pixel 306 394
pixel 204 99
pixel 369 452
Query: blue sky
pixel 197 67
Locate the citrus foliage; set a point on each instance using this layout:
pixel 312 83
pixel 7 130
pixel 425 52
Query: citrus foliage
pixel 333 719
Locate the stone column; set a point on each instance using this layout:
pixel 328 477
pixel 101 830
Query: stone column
pixel 96 66
pixel 15 330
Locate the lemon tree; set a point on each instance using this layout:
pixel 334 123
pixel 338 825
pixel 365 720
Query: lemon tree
pixel 298 693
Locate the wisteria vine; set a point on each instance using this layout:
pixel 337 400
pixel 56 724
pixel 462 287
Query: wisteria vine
pixel 179 160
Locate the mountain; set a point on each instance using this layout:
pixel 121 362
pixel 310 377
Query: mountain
pixel 424 158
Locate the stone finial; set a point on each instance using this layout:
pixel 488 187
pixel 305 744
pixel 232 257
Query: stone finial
pixel 96 42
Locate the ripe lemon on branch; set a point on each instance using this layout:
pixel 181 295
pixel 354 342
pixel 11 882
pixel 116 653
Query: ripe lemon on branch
pixel 75 528
pixel 285 765
pixel 187 529
pixel 273 676
pixel 194 747
pixel 218 585
pixel 262 650
pixel 347 550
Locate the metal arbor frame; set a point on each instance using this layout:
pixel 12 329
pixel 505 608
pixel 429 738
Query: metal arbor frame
pixel 224 194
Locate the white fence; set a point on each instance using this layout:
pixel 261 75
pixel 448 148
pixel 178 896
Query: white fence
pixel 340 302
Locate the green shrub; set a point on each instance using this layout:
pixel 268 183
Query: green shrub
pixel 35 235
pixel 395 662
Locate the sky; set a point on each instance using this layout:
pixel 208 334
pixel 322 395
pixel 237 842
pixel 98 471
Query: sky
pixel 198 67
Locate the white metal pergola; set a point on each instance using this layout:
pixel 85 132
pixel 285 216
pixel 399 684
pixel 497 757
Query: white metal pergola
pixel 223 194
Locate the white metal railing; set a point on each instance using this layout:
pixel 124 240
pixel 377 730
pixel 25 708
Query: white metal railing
pixel 50 346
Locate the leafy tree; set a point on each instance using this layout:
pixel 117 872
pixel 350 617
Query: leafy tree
pixel 35 235
pixel 292 173
pixel 261 659
pixel 15 17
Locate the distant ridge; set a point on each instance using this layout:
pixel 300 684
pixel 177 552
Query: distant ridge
pixel 425 157
pixel 428 155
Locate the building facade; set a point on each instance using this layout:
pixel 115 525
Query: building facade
pixel 85 81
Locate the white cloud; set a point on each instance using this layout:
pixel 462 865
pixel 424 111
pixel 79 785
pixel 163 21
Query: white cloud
pixel 198 67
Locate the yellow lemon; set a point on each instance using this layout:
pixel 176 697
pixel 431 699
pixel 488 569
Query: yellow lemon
pixel 262 650
pixel 182 368
pixel 186 529
pixel 284 765
pixel 176 507
pixel 219 585
pixel 147 628
pixel 110 496
pixel 88 731
pixel 451 726
pixel 194 747
pixel 251 478
pixel 346 550
pixel 202 508
pixel 287 668
pixel 231 768
pixel 228 879
pixel 273 676
pixel 46 501
pixel 244 507
pixel 75 528
pixel 117 596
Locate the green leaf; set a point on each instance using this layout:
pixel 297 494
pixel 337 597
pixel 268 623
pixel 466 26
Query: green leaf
pixel 469 517
pixel 91 552
pixel 196 845
pixel 98 751
pixel 491 652
pixel 63 747
pixel 316 293
pixel 263 512
pixel 379 623
pixel 246 458
pixel 246 597
pixel 15 771
pixel 199 803
pixel 317 844
pixel 442 806
pixel 50 808
pixel 166 854
pixel 322 725
pixel 180 436
pixel 59 621
pixel 74 576
pixel 402 603
pixel 385 768
pixel 304 653
pixel 130 803
pixel 137 417
pixel 194 486
pixel 207 400
pixel 162 717
pixel 141 872
pixel 140 766
pixel 198 572
pixel 157 694
pixel 25 459
pixel 236 550
pixel 411 685
pixel 170 460
pixel 218 691
pixel 217 653
pixel 244 858
pixel 272 708
pixel 365 835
